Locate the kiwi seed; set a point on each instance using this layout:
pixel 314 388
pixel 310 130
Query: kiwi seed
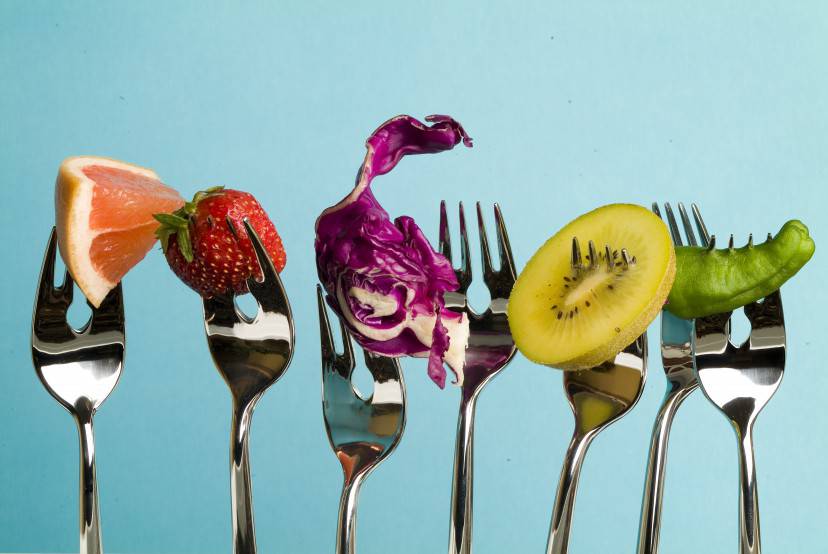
pixel 618 265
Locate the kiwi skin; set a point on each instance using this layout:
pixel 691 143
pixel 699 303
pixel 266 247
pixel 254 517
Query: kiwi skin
pixel 628 334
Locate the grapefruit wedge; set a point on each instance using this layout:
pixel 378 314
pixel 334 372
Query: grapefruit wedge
pixel 103 211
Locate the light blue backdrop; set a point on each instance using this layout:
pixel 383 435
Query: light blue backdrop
pixel 570 108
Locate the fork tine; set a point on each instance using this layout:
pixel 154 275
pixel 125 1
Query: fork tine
pixel 220 309
pixel 464 273
pixel 265 263
pixel 382 368
pixel 348 350
pixel 109 315
pixel 767 313
pixel 656 210
pixel 47 293
pixel 716 324
pixel 445 235
pixel 270 292
pixel 485 254
pixel 576 261
pixel 671 221
pixel 67 289
pixel 688 227
pixel 593 255
pixel 46 287
pixel 703 234
pixel 503 247
pixel 255 286
pixel 326 339
pixel 330 359
pixel 638 347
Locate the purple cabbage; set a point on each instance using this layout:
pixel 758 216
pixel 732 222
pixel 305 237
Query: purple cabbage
pixel 382 277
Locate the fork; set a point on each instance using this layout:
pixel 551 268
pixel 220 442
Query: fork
pixel 79 368
pixel 489 350
pixel 740 380
pixel 598 397
pixel 677 359
pixel 362 431
pixel 250 354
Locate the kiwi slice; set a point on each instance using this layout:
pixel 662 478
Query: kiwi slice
pixel 593 288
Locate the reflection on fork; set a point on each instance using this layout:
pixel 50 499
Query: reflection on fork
pixel 251 354
pixel 677 359
pixel 740 380
pixel 598 397
pixel 79 368
pixel 489 350
pixel 362 431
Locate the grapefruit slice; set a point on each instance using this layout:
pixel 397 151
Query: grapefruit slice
pixel 103 211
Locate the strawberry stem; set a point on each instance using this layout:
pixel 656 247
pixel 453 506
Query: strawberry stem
pixel 178 223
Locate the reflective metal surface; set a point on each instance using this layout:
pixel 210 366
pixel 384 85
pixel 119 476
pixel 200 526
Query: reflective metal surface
pixel 677 359
pixel 79 368
pixel 251 354
pixel 362 431
pixel 740 380
pixel 598 397
pixel 490 348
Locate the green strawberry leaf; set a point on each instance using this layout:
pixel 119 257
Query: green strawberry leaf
pixel 171 221
pixel 163 235
pixel 178 223
pixel 185 245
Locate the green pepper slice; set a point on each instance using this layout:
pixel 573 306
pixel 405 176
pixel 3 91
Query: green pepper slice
pixel 710 281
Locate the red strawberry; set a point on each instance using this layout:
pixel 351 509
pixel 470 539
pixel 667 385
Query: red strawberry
pixel 202 249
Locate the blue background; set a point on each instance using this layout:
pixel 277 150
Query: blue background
pixel 720 103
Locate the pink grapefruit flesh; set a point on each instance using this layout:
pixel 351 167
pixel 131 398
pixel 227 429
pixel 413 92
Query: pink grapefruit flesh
pixel 103 211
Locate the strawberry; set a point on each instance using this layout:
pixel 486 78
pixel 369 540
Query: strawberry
pixel 203 250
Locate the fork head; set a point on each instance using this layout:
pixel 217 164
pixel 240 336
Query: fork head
pixel 251 353
pixel 490 345
pixel 79 368
pixel 603 394
pixel 677 333
pixel 362 431
pixel 741 379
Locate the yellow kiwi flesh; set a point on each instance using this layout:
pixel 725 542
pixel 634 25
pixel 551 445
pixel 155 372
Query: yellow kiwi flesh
pixel 578 317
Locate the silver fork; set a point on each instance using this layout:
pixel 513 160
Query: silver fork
pixel 251 354
pixel 490 348
pixel 79 368
pixel 362 431
pixel 677 359
pixel 740 380
pixel 598 397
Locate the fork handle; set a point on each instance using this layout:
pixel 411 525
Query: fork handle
pixel 565 497
pixel 460 532
pixel 90 530
pixel 346 523
pixel 244 536
pixel 650 526
pixel 749 537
